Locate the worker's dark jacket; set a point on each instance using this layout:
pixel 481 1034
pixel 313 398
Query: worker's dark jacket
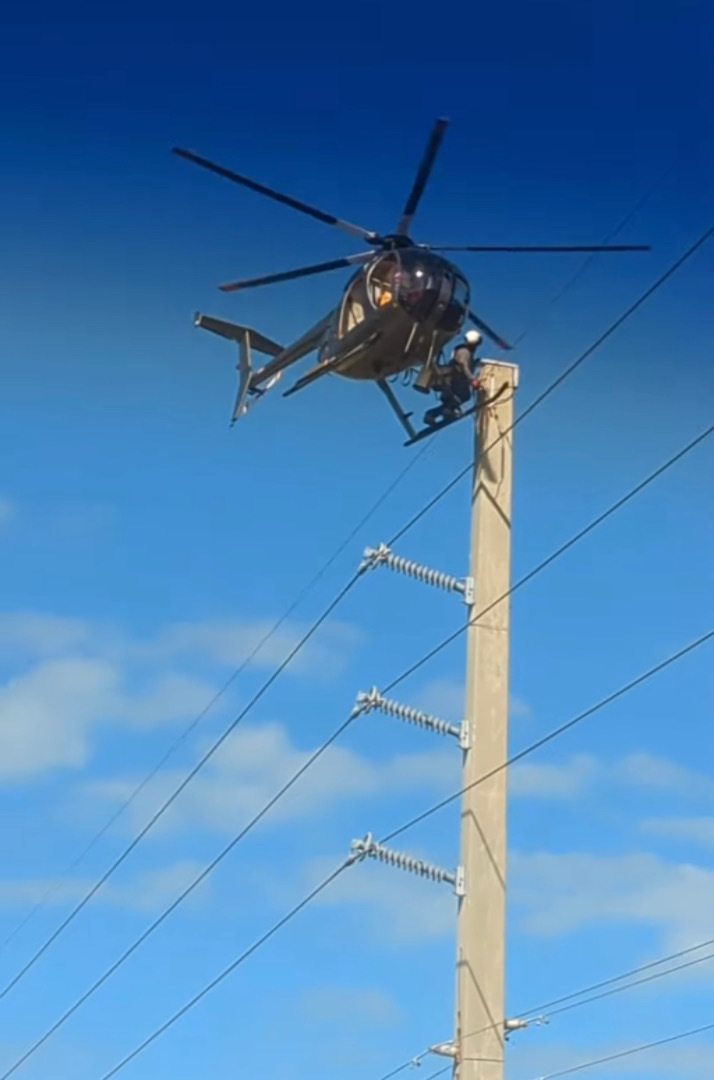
pixel 462 373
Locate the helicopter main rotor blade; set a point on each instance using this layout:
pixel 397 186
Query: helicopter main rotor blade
pixel 486 329
pixel 303 271
pixel 287 200
pixel 422 176
pixel 536 249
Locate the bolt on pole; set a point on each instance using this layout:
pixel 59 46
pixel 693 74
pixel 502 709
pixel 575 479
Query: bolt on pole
pixel 481 951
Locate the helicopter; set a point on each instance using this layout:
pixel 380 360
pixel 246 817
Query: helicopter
pixel 396 315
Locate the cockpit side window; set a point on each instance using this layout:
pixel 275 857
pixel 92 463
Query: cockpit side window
pixel 455 311
pixel 353 306
pixel 383 278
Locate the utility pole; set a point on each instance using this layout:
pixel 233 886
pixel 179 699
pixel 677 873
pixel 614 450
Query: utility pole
pixel 481 952
pixel 479 881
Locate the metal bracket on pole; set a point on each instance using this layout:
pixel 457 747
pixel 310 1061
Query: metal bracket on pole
pixel 509 1026
pixel 383 556
pixel 370 849
pixel 374 700
pixel 447 1049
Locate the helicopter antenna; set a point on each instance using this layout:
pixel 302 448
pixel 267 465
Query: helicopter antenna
pixel 422 177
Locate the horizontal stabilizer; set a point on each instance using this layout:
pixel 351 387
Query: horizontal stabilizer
pixel 237 333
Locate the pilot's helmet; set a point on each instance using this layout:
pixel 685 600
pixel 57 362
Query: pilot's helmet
pixel 473 338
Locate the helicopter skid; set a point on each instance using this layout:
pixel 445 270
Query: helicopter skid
pixel 432 429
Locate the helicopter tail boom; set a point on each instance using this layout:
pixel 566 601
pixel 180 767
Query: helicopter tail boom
pixel 247 340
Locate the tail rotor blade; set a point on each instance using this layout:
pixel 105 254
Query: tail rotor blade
pixel 422 176
pixel 303 271
pixel 486 329
pixel 286 200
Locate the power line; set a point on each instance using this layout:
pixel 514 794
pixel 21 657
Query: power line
pixel 557 553
pixel 631 986
pixel 549 1006
pixel 184 783
pixel 628 1053
pixel 229 970
pixel 343 866
pixel 417 517
pixel 565 374
pixel 548 1009
pixel 556 732
pixel 301 596
pixel 321 750
pixel 578 273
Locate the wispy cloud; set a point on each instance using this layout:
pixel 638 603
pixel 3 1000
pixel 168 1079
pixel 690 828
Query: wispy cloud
pixel 70 677
pixel 147 892
pixel 690 1060
pixel 49 714
pixel 8 512
pixel 565 781
pixel 578 774
pixel 698 830
pixel 394 907
pixel 556 894
pixel 349 1005
pixel 257 760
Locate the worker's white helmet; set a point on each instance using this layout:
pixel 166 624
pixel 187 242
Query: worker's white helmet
pixel 473 337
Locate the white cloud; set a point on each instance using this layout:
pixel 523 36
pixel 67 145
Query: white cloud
pixel 401 909
pixel 645 770
pixel 35 634
pixel 50 714
pixel 8 512
pixel 564 781
pixel 687 1060
pixel 148 892
pixel 700 830
pixel 348 1006
pixel 520 709
pixel 577 774
pixel 556 894
pixel 45 715
pixel 257 760
pixel 73 676
pixel 227 642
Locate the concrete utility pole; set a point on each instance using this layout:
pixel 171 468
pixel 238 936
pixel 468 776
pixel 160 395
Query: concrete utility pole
pixel 480 1002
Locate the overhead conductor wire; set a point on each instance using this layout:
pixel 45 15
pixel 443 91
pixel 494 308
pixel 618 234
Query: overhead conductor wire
pixel 338 731
pixel 628 1053
pixel 348 862
pixel 313 629
pixel 568 1002
pixel 131 798
pixel 565 374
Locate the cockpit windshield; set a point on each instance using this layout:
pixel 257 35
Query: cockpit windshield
pixel 430 288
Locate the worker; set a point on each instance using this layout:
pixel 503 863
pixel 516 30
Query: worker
pixel 455 381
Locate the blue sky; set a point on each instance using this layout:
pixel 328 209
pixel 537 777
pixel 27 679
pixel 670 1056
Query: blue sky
pixel 145 547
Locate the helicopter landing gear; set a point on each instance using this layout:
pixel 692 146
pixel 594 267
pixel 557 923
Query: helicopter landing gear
pixel 432 417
